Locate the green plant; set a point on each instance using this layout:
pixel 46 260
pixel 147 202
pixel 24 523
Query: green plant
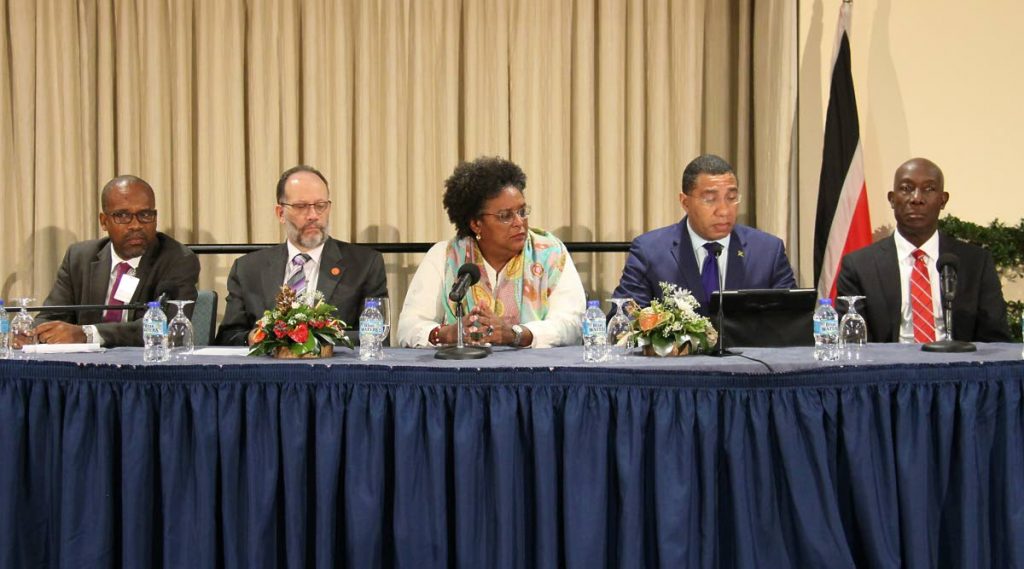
pixel 302 324
pixel 673 321
pixel 1005 243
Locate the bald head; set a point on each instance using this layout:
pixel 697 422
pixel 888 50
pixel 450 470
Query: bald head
pixel 917 198
pixel 124 185
pixel 923 166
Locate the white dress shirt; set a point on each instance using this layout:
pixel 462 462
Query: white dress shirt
pixel 905 254
pixel 698 249
pixel 424 304
pixel 312 267
pixel 92 335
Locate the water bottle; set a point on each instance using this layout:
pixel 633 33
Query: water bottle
pixel 371 332
pixel 826 332
pixel 595 334
pixel 5 333
pixel 154 334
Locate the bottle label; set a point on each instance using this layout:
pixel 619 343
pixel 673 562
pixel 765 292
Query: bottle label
pixel 5 326
pixel 817 327
pixel 375 327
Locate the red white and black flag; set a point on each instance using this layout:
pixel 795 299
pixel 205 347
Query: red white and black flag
pixel 843 222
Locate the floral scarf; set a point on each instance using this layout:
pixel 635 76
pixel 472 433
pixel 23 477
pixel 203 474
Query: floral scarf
pixel 526 281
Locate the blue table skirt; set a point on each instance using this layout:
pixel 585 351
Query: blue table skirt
pixel 249 466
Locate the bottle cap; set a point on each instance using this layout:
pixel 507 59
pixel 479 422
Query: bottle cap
pixel 593 304
pixel 153 304
pixel 827 301
pixel 372 304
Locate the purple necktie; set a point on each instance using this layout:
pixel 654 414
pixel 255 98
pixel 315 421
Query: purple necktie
pixel 297 282
pixel 709 272
pixel 119 271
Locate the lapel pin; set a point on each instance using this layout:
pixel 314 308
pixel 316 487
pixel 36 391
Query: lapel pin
pixel 739 253
pixel 335 271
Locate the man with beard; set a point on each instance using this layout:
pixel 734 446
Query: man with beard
pixel 900 281
pixel 134 263
pixel 346 274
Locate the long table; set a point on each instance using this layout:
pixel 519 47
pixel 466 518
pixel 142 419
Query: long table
pixel 529 458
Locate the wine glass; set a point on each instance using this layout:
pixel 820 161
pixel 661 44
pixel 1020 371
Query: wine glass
pixel 180 337
pixel 620 344
pixel 853 331
pixel 384 305
pixel 22 326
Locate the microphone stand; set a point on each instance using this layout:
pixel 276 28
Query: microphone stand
pixel 81 307
pixel 720 351
pixel 460 351
pixel 948 286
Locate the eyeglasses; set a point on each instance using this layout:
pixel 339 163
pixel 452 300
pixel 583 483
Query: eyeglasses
pixel 123 217
pixel 319 207
pixel 506 215
pixel 713 199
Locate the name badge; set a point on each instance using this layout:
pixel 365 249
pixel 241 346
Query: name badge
pixel 126 288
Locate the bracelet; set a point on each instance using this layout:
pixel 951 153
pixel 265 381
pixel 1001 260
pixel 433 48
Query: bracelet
pixel 435 336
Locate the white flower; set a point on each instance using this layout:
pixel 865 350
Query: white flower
pixel 295 304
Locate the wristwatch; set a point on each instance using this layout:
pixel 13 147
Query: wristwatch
pixel 517 334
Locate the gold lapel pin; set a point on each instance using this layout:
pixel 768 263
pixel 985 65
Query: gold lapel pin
pixel 739 253
pixel 335 271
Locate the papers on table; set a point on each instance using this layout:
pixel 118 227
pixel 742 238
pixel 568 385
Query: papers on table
pixel 62 348
pixel 221 351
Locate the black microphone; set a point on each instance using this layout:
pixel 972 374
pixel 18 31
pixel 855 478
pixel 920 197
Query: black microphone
pixel 469 274
pixel 715 249
pixel 947 265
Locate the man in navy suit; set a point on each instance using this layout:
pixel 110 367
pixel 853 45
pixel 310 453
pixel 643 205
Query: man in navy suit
pixel 900 281
pixel 683 253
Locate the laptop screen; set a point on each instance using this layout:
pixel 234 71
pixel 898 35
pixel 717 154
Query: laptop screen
pixel 766 317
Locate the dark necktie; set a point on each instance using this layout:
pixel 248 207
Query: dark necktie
pixel 709 271
pixel 119 271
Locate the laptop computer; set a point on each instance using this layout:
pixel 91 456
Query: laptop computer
pixel 766 318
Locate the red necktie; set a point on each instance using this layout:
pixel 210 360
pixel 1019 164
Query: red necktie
pixel 921 300
pixel 119 271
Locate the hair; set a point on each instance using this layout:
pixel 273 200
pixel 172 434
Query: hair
pixel 473 183
pixel 123 180
pixel 704 164
pixel 295 170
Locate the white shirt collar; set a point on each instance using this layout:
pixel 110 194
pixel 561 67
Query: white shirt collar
pixel 698 242
pixel 905 249
pixel 313 253
pixel 116 260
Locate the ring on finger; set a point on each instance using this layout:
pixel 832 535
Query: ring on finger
pixel 490 330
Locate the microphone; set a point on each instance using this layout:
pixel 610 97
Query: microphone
pixel 948 264
pixel 716 250
pixel 468 276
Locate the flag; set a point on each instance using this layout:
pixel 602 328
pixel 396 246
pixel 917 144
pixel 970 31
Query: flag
pixel 843 222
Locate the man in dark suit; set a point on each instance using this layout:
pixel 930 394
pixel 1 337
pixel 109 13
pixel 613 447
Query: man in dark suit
pixel 346 274
pixel 682 253
pixel 901 282
pixel 135 263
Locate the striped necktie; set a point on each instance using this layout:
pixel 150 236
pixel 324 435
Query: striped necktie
pixel 921 300
pixel 297 281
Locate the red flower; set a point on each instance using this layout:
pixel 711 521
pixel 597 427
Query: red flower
pixel 300 333
pixel 259 335
pixel 318 324
pixel 280 329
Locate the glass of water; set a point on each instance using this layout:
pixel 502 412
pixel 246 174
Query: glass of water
pixel 619 342
pixel 853 331
pixel 180 337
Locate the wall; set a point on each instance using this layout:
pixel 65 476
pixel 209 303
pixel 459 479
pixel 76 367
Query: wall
pixel 939 79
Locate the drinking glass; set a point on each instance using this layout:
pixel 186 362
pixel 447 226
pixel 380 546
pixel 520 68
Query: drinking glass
pixel 22 326
pixel 180 337
pixel 384 305
pixel 853 331
pixel 620 344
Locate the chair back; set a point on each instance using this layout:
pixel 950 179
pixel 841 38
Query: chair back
pixel 204 318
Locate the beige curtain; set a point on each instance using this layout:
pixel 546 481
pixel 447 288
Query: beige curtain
pixel 601 102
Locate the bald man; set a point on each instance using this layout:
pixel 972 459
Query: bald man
pixel 899 278
pixel 134 263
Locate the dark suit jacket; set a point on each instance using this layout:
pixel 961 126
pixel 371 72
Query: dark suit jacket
pixel 979 312
pixel 256 278
pixel 84 275
pixel 756 260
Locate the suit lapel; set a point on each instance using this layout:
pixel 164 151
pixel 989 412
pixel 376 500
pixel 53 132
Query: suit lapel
pixel 144 273
pixel 273 273
pixel 330 268
pixel 736 263
pixel 688 269
pixel 99 277
pixel 888 268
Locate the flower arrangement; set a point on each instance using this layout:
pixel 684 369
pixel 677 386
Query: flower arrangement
pixel 299 326
pixel 671 325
